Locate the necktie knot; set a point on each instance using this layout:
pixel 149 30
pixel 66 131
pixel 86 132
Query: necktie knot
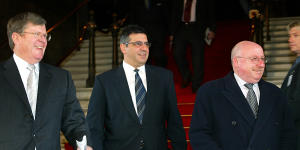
pixel 31 67
pixel 249 85
pixel 136 70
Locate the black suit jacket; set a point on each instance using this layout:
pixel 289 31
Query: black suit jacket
pixel 223 120
pixel 114 124
pixel 293 95
pixel 205 15
pixel 57 109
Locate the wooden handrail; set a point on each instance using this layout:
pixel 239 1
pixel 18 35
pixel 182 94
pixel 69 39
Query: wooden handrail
pixel 80 40
pixel 68 15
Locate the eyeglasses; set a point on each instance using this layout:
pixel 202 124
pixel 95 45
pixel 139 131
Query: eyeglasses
pixel 255 59
pixel 40 35
pixel 139 44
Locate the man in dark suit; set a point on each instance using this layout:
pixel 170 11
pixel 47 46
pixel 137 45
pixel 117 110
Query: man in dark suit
pixel 291 83
pixel 241 111
pixel 134 107
pixel 189 21
pixel 37 100
pixel 154 16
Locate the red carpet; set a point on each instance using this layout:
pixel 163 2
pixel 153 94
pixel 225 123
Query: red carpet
pixel 217 65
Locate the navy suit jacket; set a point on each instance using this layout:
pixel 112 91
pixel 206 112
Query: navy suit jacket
pixel 114 124
pixel 223 120
pixel 57 109
pixel 292 92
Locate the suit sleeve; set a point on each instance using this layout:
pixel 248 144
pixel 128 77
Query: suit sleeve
pixel 95 116
pixel 175 129
pixel 201 130
pixel 73 120
pixel 288 138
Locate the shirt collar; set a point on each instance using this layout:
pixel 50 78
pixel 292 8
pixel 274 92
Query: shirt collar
pixel 128 67
pixel 22 64
pixel 241 82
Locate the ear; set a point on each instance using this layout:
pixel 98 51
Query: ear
pixel 15 37
pixel 123 48
pixel 235 62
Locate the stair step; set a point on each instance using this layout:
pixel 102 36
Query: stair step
pixel 83 93
pixel 278 52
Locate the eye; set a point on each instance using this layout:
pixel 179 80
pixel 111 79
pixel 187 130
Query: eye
pixel 138 43
pixel 254 59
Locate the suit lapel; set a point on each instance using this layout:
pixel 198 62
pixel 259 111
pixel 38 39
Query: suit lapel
pixel 12 76
pixel 150 87
pixel 235 96
pixel 266 105
pixel 44 82
pixel 123 89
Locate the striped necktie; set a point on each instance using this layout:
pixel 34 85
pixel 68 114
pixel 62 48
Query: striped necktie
pixel 140 94
pixel 251 98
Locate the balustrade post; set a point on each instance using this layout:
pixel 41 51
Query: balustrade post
pixel 115 32
pixel 91 63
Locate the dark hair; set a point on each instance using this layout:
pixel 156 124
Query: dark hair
pixel 130 29
pixel 18 24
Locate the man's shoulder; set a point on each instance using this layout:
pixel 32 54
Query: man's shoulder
pixel 53 68
pixel 157 69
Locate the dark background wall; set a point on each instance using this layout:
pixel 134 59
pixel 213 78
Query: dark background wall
pixel 64 36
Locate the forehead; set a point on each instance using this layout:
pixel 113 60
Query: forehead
pixel 252 52
pixel 138 37
pixel 32 27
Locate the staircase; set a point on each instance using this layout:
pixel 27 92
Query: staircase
pixel 280 58
pixel 77 64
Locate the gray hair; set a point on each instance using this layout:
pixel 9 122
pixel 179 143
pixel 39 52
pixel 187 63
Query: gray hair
pixel 130 29
pixel 18 24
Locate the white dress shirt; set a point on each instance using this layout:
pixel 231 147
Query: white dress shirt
pixel 245 90
pixel 130 76
pixel 24 73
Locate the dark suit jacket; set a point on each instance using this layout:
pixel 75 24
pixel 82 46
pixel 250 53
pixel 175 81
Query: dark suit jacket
pixel 114 124
pixel 57 109
pixel 205 15
pixel 222 118
pixel 293 95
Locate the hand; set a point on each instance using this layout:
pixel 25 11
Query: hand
pixel 87 148
pixel 211 35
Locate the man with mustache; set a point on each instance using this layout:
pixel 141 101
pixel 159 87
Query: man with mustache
pixel 241 111
pixel 291 83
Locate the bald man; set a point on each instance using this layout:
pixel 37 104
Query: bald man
pixel 241 111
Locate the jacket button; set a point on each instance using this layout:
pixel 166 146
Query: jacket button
pixel 233 123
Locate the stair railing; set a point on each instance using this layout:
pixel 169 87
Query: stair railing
pixel 257 15
pixel 91 61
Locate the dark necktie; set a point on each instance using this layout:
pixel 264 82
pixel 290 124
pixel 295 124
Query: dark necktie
pixel 251 98
pixel 187 10
pixel 140 94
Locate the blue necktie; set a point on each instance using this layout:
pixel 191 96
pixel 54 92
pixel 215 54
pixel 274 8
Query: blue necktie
pixel 140 94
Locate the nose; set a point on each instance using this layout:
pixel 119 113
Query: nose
pixel 290 39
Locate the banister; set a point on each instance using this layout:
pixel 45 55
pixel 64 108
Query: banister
pixel 68 15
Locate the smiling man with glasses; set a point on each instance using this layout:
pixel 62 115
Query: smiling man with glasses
pixel 38 100
pixel 242 111
pixel 134 106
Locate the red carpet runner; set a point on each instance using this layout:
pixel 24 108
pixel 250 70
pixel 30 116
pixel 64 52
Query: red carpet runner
pixel 217 65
